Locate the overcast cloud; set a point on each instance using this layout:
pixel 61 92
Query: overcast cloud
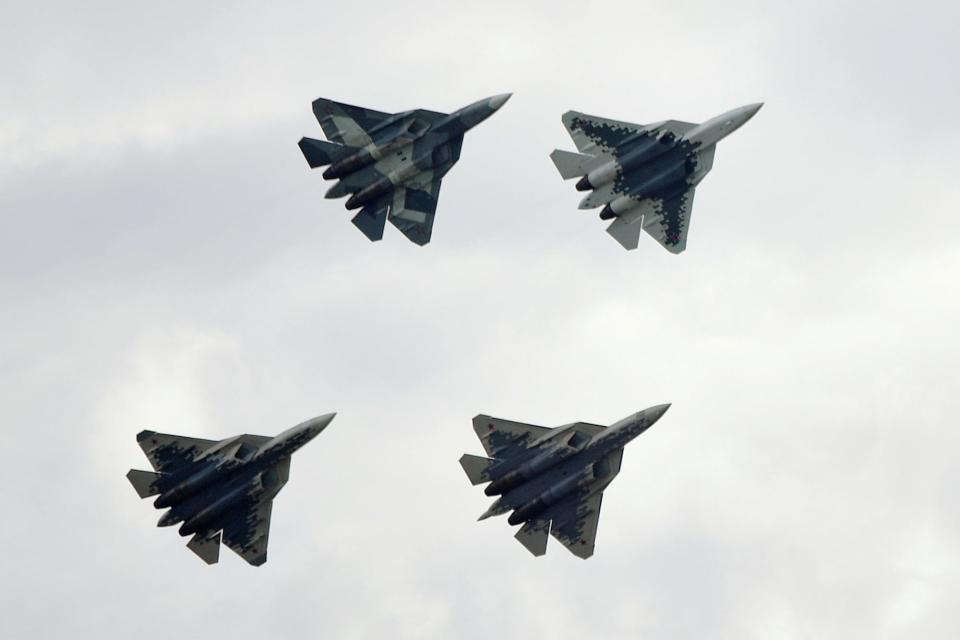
pixel 167 261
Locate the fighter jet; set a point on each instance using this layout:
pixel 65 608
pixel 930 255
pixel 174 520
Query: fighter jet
pixel 225 486
pixel 644 176
pixel 391 164
pixel 552 479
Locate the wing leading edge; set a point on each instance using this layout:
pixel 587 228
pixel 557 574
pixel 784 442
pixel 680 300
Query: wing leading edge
pixel 346 123
pixel 506 438
pixel 168 453
pixel 601 136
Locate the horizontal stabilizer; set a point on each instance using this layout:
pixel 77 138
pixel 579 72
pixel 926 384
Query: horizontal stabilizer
pixel 207 548
pixel 477 468
pixel 571 165
pixel 320 152
pixel 533 535
pixel 144 482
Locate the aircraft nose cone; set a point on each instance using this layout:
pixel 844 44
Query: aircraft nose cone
pixel 498 101
pixel 750 110
pixel 655 413
pixel 318 424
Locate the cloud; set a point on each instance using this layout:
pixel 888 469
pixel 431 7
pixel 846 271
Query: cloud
pixel 168 261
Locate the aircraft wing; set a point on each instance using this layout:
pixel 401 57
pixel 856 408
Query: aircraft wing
pixel 345 123
pixel 247 528
pixel 412 211
pixel 575 520
pixel 248 531
pixel 505 438
pixel 575 524
pixel 594 135
pixel 670 220
pixel 167 452
pixel 666 219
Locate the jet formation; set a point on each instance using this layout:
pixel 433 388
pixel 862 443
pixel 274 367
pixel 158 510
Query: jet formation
pixel 644 176
pixel 223 486
pixel 552 479
pixel 391 164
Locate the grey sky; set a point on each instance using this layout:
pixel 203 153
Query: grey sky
pixel 167 261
